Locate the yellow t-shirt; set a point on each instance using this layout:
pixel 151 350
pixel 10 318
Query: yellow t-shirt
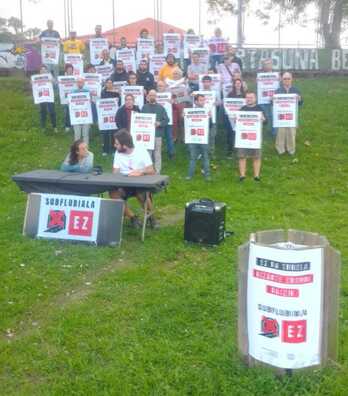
pixel 73 47
pixel 167 72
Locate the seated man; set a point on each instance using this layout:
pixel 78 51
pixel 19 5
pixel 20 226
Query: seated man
pixel 79 159
pixel 131 161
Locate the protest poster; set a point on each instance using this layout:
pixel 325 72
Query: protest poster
pixel 96 47
pixel 107 109
pixel 66 85
pixel 105 71
pixel 127 56
pixel 190 41
pixel 137 91
pixel 80 109
pixel 145 48
pixel 218 45
pixel 210 102
pixel 267 84
pixel 76 60
pixel 172 44
pixel 117 85
pixel 203 54
pixel 284 303
pixel 226 89
pixel 196 122
pixel 69 217
pixel 178 88
pixel 165 99
pixel 157 61
pixel 93 82
pixel 50 50
pixel 42 88
pixel 232 106
pixel 143 129
pixel 248 129
pixel 216 83
pixel 285 110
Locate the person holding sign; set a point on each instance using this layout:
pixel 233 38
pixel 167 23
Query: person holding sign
pixel 152 107
pixel 167 70
pixel 132 161
pixel 165 99
pixel 73 46
pixel 253 153
pixel 144 77
pixel 49 33
pixel 120 73
pixel 124 113
pixel 194 70
pixel 197 136
pixel 79 159
pixel 218 46
pixel 286 136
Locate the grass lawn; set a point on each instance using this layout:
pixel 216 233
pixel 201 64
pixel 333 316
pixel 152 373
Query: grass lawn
pixel 159 318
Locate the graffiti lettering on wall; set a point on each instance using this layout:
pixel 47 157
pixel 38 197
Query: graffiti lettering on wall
pixel 11 56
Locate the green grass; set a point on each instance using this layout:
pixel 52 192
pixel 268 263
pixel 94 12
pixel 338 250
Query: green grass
pixel 160 318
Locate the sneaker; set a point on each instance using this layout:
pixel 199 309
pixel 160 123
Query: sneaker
pixel 188 178
pixel 135 222
pixel 257 178
pixel 152 222
pixel 67 129
pixel 104 154
pixel 241 178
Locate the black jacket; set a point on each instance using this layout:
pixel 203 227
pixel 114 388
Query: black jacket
pixel 146 80
pixel 119 76
pixel 121 117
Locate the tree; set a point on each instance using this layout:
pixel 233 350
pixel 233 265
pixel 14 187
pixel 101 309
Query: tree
pixel 15 24
pixel 31 33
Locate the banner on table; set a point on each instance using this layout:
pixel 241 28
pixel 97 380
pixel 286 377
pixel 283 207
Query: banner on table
pixel 66 85
pixel 190 41
pixel 42 88
pixel 127 56
pixel 267 84
pixel 143 129
pixel 172 44
pixel 232 106
pixel 285 110
pixel 96 47
pixel 93 82
pixel 107 109
pixel 165 99
pixel 145 48
pixel 50 50
pixel 218 45
pixel 210 102
pixel 80 109
pixel 196 122
pixel 105 70
pixel 157 61
pixel 248 129
pixel 76 60
pixel 69 217
pixel 284 300
pixel 203 54
pixel 137 91
pixel 216 83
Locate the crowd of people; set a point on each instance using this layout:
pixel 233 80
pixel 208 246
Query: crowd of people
pixel 190 81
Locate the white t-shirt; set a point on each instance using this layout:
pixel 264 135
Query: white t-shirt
pixel 138 159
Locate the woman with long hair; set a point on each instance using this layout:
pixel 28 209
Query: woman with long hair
pixel 79 158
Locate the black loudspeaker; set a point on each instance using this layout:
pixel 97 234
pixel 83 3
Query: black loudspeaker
pixel 205 222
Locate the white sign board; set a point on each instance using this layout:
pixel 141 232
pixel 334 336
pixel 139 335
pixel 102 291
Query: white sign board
pixel 80 108
pixel 50 50
pixel 216 83
pixel 285 110
pixel 76 61
pixel 137 91
pixel 172 44
pixel 196 123
pixel 248 129
pixel 127 56
pixel 190 41
pixel 203 54
pixel 218 45
pixel 210 102
pixel 145 48
pixel 143 128
pixel 93 82
pixel 157 61
pixel 267 84
pixel 284 302
pixel 105 70
pixel 232 106
pixel 66 85
pixel 42 88
pixel 165 99
pixel 69 217
pixel 107 109
pixel 96 47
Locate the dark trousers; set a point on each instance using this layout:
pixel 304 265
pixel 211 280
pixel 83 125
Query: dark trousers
pixel 108 141
pixel 44 109
pixel 230 133
pixel 67 123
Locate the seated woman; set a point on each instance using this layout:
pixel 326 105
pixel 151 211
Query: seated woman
pixel 79 159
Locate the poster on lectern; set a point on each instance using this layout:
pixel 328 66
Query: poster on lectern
pixel 284 305
pixel 50 50
pixel 248 128
pixel 196 121
pixel 42 88
pixel 285 111
pixel 267 84
pixel 143 128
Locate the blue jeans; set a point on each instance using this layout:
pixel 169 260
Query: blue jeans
pixel 215 59
pixel 195 150
pixel 168 132
pixel 45 108
pixel 268 110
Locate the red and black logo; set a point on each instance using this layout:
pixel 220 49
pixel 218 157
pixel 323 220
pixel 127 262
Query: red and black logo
pixel 56 221
pixel 269 327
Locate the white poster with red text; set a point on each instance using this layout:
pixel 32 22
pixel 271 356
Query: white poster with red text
pixel 80 109
pixel 284 305
pixel 209 102
pixel 157 61
pixel 190 41
pixel 143 129
pixel 42 88
pixel 50 50
pixel 137 91
pixel 96 47
pixel 172 44
pixel 196 122
pixel 285 111
pixel 69 217
pixel 93 82
pixel 76 60
pixel 66 85
pixel 107 109
pixel 267 84
pixel 145 48
pixel 127 56
pixel 248 128
pixel 165 100
pixel 105 70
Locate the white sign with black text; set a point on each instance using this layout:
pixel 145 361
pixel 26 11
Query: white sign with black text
pixel 248 129
pixel 50 50
pixel 42 88
pixel 285 111
pixel 80 109
pixel 107 109
pixel 196 123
